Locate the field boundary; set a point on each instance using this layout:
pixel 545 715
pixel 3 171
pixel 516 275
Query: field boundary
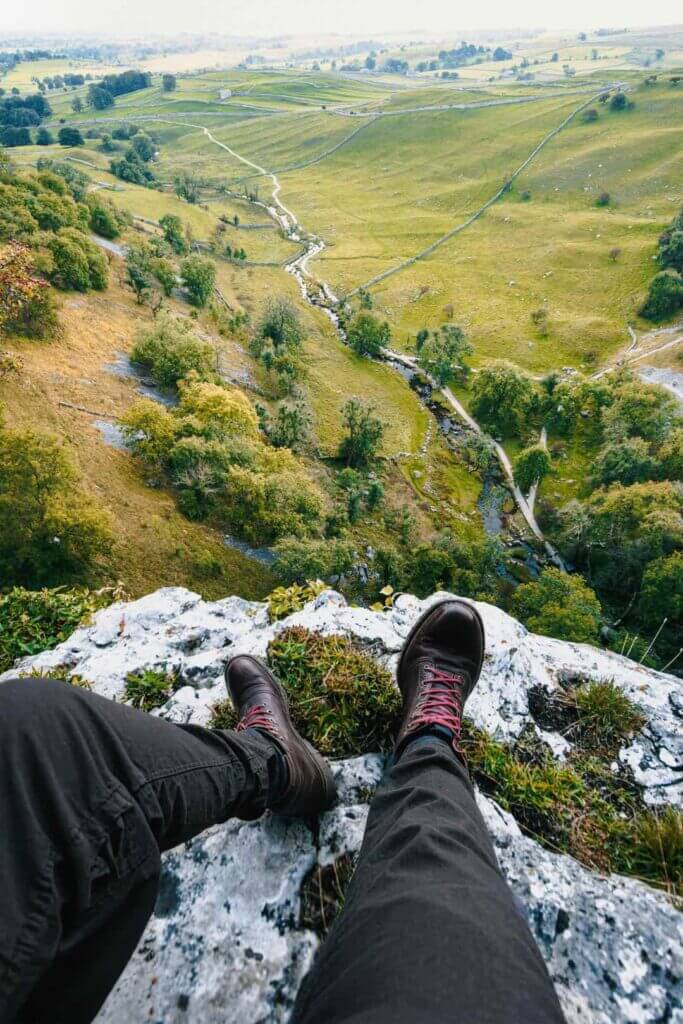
pixel 505 187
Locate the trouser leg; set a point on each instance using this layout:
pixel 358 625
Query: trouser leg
pixel 91 792
pixel 429 931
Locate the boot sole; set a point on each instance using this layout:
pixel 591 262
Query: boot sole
pixel 422 619
pixel 321 766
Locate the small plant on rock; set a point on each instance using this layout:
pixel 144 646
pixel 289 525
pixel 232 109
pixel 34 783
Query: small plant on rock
pixel 150 688
pixel 284 601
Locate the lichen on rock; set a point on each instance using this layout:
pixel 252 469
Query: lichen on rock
pixel 226 940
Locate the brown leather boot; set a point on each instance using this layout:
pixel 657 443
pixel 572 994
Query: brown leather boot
pixel 261 703
pixel 438 669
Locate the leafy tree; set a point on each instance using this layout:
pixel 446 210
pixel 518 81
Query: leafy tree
pixel 532 464
pixel 590 115
pixel 501 54
pixel 12 137
pixel 171 351
pixel 187 187
pixel 49 532
pixel 26 303
pixel 559 604
pixel 143 147
pixel 70 137
pixel 367 336
pixel 364 434
pixel 174 233
pixel 280 325
pixel 169 83
pixel 77 105
pixel 502 398
pixel 665 296
pixel 131 168
pixel 138 276
pixel 291 428
pixel 105 219
pixel 44 137
pixel 99 98
pixel 670 455
pixel 618 101
pixel 639 410
pixel 671 245
pixel 297 561
pixel 624 462
pixel 442 355
pixel 457 563
pixel 199 275
pixel 662 591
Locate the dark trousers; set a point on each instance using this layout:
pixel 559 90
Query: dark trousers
pixel 92 792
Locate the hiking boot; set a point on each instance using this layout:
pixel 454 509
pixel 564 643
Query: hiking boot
pixel 261 703
pixel 438 669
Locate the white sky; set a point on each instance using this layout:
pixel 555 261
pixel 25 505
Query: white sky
pixel 271 17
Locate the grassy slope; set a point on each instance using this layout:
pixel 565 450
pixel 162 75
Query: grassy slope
pixel 156 546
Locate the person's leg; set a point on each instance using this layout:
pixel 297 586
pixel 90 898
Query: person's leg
pixel 91 792
pixel 429 931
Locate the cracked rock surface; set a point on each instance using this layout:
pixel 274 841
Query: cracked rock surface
pixel 225 943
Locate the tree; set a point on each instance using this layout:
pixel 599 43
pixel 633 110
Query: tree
pixel 639 410
pixel 137 276
pixel 44 137
pixel 501 54
pixel 555 58
pixel 104 217
pixel 367 336
pixel 26 302
pixel 370 63
pixel 559 604
pixel 70 137
pixel 360 446
pixel 49 532
pixel 187 187
pixel 589 116
pixel 198 274
pixel 671 247
pixel 99 98
pixel 532 465
pixel 169 83
pixel 618 101
pixel 625 462
pixel 665 296
pixel 502 398
pixel 143 147
pixel 11 137
pixel 279 324
pixel 174 233
pixel 291 428
pixel 442 355
pixel 77 105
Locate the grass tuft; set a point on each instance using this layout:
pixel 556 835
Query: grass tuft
pixel 341 700
pixel 323 894
pixel 149 689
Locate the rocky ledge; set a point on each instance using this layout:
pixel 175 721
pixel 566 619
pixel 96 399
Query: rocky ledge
pixel 226 942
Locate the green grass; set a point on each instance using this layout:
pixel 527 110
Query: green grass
pixel 148 689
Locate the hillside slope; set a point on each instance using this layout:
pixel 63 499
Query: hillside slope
pixel 227 941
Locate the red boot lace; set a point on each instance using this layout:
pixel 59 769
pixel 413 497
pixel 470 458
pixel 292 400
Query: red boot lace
pixel 440 702
pixel 258 717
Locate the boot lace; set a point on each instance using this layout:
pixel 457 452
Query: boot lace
pixel 440 702
pixel 258 716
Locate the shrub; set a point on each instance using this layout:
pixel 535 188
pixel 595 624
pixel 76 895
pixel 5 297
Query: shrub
pixel 105 220
pixel 559 604
pixel 70 137
pixel 32 621
pixel 199 275
pixel 341 700
pixel 284 601
pixel 26 303
pixel 665 296
pixel 626 462
pixel 49 532
pixel 174 233
pixel 78 263
pixel 531 465
pixel 367 336
pixel 298 561
pixel 618 101
pixel 360 446
pixel 662 590
pixel 603 199
pixel 171 350
pixel 442 354
pixel 280 325
pixel 149 689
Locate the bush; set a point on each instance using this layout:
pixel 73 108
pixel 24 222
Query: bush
pixel 171 350
pixel 665 296
pixel 49 532
pixel 559 604
pixel 70 137
pixel 662 591
pixel 280 325
pixel 626 462
pixel 199 275
pixel 442 355
pixel 531 465
pixel 26 302
pixel 78 263
pixel 32 621
pixel 105 220
pixel 340 699
pixel 367 336
pixel 149 689
pixel 360 446
pixel 298 561
pixel 173 233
